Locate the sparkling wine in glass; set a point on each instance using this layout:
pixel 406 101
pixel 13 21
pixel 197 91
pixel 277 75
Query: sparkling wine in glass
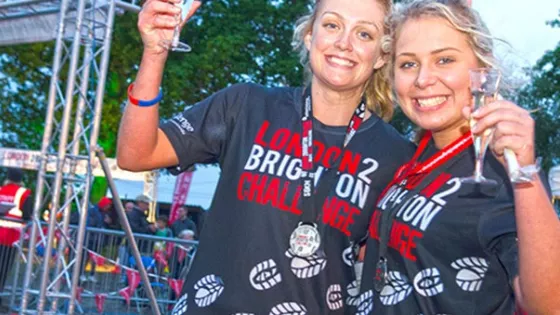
pixel 174 44
pixel 484 89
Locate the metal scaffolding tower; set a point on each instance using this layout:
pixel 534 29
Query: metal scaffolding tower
pixel 82 47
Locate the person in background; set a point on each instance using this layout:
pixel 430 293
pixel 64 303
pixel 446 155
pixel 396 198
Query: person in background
pixel 162 230
pixel 137 216
pixel 16 203
pixel 183 222
pixel 439 245
pixel 97 217
pixel 128 206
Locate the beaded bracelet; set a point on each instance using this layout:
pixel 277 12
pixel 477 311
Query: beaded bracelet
pixel 143 103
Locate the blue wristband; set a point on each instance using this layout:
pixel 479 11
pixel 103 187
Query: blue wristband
pixel 143 103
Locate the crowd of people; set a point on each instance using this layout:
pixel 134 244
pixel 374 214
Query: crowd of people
pixel 301 157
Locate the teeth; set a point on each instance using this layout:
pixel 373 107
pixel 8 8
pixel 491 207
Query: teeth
pixel 341 62
pixel 431 102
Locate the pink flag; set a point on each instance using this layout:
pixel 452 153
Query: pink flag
pixel 133 279
pixel 100 302
pixel 97 259
pixel 126 293
pixel 169 249
pixel 181 254
pixel 159 256
pixel 79 291
pixel 176 285
pixel 182 185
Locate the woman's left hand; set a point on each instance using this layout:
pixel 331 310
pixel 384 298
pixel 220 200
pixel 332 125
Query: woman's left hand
pixel 514 129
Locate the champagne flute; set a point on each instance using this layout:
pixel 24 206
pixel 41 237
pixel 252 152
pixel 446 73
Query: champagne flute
pixel 484 89
pixel 174 44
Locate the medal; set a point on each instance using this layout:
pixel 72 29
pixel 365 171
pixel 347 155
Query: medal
pixel 380 274
pixel 305 239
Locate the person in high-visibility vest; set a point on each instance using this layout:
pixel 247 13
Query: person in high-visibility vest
pixel 16 203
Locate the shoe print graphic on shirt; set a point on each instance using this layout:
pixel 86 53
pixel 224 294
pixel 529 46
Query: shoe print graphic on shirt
pixel 365 303
pixel 334 297
pixel 181 306
pixel 288 308
pixel 396 290
pixel 471 272
pixel 428 282
pixel 353 293
pixel 306 267
pixel 348 256
pixel 265 275
pixel 208 289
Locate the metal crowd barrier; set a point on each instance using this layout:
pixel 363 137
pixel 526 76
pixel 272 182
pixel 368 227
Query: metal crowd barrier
pixel 108 271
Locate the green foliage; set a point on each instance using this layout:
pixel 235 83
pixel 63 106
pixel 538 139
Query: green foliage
pixel 233 41
pixel 543 95
pixel 24 81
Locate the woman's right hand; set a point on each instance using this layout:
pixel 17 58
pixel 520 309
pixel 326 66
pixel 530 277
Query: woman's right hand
pixel 157 21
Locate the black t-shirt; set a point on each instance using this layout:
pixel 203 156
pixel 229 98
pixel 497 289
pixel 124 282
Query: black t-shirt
pixel 452 246
pixel 243 264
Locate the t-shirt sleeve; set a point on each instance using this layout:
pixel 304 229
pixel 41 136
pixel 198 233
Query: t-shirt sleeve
pixel 200 133
pixel 498 236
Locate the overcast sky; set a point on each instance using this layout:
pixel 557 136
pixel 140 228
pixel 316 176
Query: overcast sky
pixel 522 24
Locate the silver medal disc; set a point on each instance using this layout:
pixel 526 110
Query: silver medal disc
pixel 305 240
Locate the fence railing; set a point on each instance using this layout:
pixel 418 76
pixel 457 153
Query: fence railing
pixel 109 278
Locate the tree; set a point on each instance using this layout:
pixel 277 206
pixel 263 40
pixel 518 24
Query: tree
pixel 542 94
pixel 233 41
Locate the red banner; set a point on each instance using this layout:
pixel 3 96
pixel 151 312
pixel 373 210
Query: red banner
pixel 176 285
pixel 97 259
pixel 100 302
pixel 182 185
pixel 126 294
pixel 133 279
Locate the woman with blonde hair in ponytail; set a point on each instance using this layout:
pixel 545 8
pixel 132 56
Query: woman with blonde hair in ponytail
pixel 439 244
pixel 300 167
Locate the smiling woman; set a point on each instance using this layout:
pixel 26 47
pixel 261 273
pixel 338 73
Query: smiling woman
pixel 307 164
pixel 438 245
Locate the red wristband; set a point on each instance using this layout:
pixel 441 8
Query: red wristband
pixel 143 103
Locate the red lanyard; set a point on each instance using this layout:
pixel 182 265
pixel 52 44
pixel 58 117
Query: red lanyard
pixel 307 165
pixel 414 168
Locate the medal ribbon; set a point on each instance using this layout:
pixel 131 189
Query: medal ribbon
pixel 307 165
pixel 411 169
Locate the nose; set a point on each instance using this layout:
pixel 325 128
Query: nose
pixel 344 41
pixel 426 77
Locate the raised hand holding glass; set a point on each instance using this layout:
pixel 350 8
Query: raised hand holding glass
pixel 174 44
pixel 484 88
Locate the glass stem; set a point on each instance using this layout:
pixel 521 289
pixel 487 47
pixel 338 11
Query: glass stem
pixel 175 40
pixel 478 168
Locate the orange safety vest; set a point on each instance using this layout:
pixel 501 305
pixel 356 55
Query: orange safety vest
pixel 12 195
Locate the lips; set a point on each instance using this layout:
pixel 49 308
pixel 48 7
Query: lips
pixel 340 61
pixel 430 102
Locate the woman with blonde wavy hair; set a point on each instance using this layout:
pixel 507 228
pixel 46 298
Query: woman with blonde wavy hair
pixel 300 167
pixel 438 244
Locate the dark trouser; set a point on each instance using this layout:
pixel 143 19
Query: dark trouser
pixel 7 256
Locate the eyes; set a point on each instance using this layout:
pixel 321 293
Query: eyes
pixel 408 64
pixel 361 32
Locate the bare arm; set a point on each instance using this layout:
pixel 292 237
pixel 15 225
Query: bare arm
pixel 538 227
pixel 141 144
pixel 538 230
